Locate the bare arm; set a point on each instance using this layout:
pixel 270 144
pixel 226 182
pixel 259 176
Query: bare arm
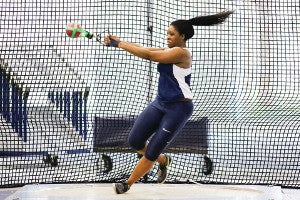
pixel 148 48
pixel 173 55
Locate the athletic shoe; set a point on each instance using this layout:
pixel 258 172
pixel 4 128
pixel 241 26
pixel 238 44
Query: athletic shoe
pixel 162 170
pixel 121 188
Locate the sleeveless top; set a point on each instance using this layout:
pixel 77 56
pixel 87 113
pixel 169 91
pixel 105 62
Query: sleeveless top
pixel 173 83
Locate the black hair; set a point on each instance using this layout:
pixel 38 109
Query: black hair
pixel 186 26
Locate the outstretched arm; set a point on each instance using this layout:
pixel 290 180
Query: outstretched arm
pixel 148 48
pixel 173 55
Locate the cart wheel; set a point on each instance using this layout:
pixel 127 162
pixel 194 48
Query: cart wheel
pixel 108 165
pixel 52 160
pixel 208 166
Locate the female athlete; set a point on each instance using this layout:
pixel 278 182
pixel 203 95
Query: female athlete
pixel 163 119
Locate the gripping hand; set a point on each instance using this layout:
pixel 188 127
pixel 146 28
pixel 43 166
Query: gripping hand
pixel 111 41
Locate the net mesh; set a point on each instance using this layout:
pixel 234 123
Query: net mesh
pixel 67 105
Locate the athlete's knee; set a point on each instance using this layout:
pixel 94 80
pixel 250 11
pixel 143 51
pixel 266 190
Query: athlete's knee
pixel 151 156
pixel 135 144
pixel 132 142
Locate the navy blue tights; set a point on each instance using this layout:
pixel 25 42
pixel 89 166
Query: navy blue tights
pixel 161 120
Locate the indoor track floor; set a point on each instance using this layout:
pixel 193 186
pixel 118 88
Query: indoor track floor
pixel 149 191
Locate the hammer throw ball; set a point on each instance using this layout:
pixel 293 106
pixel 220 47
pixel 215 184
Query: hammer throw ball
pixel 73 30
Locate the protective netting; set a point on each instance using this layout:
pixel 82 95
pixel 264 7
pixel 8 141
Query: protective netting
pixel 67 105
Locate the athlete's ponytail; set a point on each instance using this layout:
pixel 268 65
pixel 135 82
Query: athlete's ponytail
pixel 185 27
pixel 210 20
